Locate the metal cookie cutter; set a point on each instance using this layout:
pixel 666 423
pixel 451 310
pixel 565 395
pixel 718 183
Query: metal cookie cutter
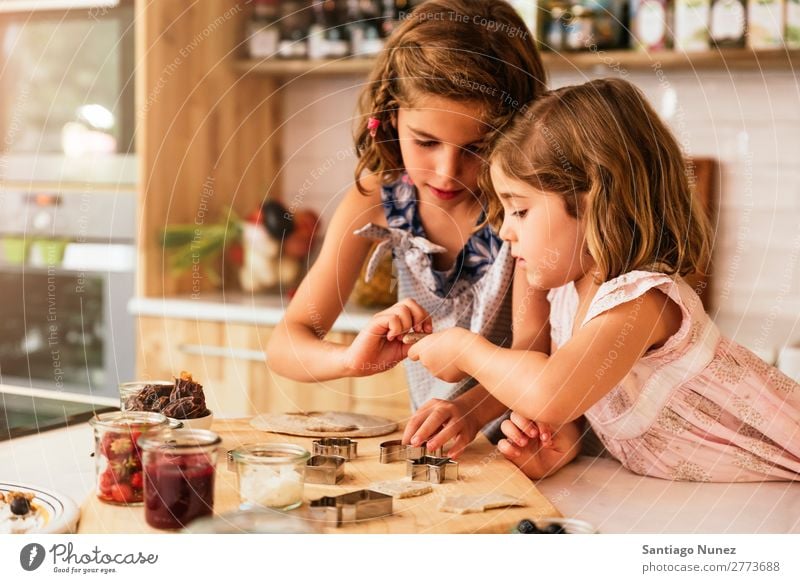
pixel 432 469
pixel 325 469
pixel 351 507
pixel 414 337
pixel 395 451
pixel 338 446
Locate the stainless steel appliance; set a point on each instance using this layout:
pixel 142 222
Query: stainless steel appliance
pixel 66 274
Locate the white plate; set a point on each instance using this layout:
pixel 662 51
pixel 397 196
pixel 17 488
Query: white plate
pixel 62 512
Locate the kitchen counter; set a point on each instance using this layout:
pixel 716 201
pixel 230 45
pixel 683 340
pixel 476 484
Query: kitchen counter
pixel 268 310
pixel 600 491
pixel 238 308
pixel 481 471
pixel 597 490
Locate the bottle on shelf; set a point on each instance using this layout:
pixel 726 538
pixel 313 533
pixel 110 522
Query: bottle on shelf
pixel 262 29
pixel 650 24
pixel 554 28
pixel 690 28
pixel 327 38
pixel 295 22
pixel 792 35
pixel 765 23
pixel 369 41
pixel 610 23
pixel 578 28
pixel 394 12
pixel 728 24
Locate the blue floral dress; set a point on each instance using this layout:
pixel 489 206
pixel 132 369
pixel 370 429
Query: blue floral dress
pixel 475 293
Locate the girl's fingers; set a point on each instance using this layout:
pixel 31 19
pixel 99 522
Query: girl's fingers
pixel 451 430
pixel 519 420
pixel 545 434
pixel 396 328
pixel 508 449
pixel 378 325
pixel 459 445
pixel 421 318
pixel 413 424
pixel 430 426
pixel 404 317
pixel 526 425
pixel 513 433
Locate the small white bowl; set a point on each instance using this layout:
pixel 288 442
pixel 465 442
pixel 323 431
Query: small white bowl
pixel 199 422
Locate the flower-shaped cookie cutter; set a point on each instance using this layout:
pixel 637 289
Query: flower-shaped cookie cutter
pixel 336 446
pixel 432 469
pixel 395 451
pixel 351 507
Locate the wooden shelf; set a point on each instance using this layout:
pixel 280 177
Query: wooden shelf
pixel 600 61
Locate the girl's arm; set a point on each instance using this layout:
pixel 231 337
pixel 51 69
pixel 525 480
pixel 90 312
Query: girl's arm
pixel 297 348
pixel 438 421
pixel 531 331
pixel 557 389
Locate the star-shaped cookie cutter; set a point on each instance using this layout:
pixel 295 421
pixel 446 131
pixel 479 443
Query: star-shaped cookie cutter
pixel 351 507
pixel 432 469
pixel 395 451
pixel 338 446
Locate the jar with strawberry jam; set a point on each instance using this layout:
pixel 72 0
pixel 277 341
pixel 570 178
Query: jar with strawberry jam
pixel 118 459
pixel 179 471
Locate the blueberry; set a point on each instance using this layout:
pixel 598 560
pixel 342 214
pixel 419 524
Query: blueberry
pixel 525 526
pixel 554 528
pixel 20 506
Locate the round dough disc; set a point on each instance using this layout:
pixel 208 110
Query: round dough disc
pixel 324 424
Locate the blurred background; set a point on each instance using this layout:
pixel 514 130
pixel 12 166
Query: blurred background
pixel 167 170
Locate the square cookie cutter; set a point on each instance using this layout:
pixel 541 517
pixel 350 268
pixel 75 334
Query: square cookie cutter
pixel 336 446
pixel 395 451
pixel 325 469
pixel 351 507
pixel 432 469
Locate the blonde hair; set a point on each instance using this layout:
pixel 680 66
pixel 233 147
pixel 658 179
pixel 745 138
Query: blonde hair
pixel 467 50
pixel 607 154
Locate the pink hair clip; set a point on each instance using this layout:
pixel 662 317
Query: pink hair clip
pixel 373 123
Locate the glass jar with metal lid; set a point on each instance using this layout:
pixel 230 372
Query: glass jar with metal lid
pixel 179 474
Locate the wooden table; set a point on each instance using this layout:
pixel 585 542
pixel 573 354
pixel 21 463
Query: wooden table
pixel 482 469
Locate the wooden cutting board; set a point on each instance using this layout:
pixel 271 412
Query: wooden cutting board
pixel 482 469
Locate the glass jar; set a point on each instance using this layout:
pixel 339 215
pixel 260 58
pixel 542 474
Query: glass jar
pixel 578 28
pixel 179 471
pixel 118 460
pixel 270 475
pixel 262 29
pixel 555 29
pixel 129 391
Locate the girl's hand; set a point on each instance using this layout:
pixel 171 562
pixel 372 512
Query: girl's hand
pixel 439 353
pixel 439 421
pixel 534 458
pixel 519 430
pixel 379 346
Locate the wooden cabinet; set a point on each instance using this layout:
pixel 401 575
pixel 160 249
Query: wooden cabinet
pixel 229 360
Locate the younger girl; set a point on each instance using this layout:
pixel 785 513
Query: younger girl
pixel 599 211
pixel 451 76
